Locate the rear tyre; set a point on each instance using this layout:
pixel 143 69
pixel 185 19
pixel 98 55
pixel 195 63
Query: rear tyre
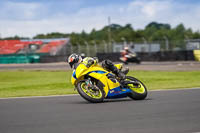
pixel 92 95
pixel 139 90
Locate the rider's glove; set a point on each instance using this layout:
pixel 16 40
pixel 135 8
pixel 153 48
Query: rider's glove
pixel 121 75
pixel 90 62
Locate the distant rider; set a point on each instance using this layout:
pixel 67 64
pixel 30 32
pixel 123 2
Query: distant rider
pixel 74 60
pixel 125 53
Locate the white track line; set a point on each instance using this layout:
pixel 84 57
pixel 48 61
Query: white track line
pixel 40 96
pixel 180 89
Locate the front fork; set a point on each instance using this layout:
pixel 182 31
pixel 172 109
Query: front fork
pixel 89 83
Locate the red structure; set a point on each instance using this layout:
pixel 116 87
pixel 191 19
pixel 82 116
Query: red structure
pixel 14 46
pixel 52 46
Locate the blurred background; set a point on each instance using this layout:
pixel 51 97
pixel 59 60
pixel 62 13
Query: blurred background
pixel 160 38
pixel 43 31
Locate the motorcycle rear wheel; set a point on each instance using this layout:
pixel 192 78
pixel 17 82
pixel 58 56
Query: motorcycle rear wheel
pixel 139 92
pixel 88 94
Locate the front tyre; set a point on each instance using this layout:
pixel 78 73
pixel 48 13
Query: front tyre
pixel 139 90
pixel 94 94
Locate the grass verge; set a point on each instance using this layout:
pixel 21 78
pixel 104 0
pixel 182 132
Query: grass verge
pixel 43 83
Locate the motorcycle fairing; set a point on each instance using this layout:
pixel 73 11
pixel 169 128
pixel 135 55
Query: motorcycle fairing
pixel 118 92
pixel 74 74
pixel 96 72
pixel 108 84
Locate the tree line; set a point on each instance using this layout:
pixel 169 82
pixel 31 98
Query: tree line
pixel 154 31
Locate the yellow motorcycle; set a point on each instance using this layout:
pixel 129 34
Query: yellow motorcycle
pixel 95 84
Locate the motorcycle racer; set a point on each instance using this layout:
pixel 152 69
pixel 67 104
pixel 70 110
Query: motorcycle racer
pixel 129 56
pixel 125 53
pixel 74 60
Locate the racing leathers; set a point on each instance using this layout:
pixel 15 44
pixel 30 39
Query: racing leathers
pixel 106 64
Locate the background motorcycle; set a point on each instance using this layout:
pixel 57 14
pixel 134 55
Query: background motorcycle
pixel 131 57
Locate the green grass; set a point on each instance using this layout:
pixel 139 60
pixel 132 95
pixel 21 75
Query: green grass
pixel 43 83
pixel 168 80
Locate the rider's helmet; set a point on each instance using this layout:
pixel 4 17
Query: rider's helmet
pixel 126 48
pixel 74 58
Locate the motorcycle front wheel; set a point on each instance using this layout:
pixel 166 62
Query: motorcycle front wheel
pixel 94 95
pixel 139 90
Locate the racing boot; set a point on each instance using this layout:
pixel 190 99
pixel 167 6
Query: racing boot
pixel 107 64
pixel 120 74
pixel 125 71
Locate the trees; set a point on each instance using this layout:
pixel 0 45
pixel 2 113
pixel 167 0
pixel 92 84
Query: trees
pixel 154 31
pixel 51 35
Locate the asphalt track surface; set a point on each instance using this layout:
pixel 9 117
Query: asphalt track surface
pixel 175 111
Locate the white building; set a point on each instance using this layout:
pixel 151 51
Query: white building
pixel 138 47
pixel 193 44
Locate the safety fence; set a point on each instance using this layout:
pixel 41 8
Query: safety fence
pixel 91 49
pixel 148 51
pixel 20 58
pixel 154 56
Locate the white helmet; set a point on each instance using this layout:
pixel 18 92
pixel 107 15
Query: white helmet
pixel 74 58
pixel 126 48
